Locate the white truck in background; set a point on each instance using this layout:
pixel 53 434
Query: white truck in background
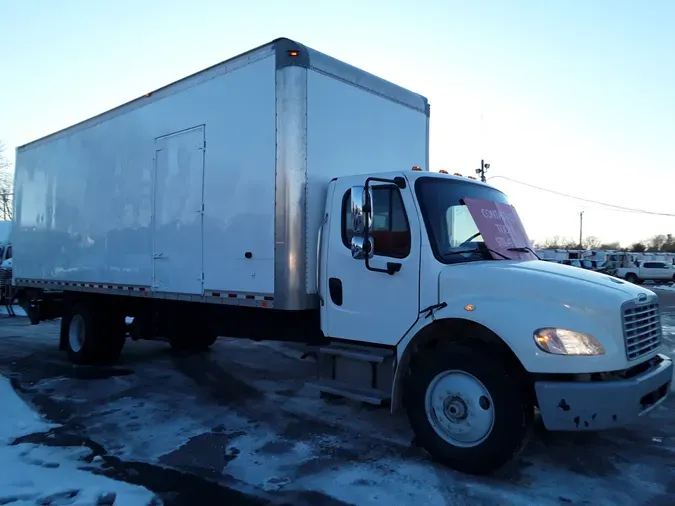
pixel 6 264
pixel 648 270
pixel 271 197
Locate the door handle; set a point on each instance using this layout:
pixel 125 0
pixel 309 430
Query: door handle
pixel 159 256
pixel 335 290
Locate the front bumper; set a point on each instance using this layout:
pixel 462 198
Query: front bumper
pixel 598 405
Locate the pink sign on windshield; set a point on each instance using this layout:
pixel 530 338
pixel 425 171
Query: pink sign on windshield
pixel 500 227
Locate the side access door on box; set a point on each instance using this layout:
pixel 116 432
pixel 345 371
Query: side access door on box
pixel 178 212
pixel 362 304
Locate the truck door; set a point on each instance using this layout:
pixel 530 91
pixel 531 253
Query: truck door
pixel 361 304
pixel 177 229
pixel 663 270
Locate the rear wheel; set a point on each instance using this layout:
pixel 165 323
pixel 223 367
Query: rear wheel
pixel 632 278
pixel 187 334
pixel 192 342
pixel 90 335
pixel 467 410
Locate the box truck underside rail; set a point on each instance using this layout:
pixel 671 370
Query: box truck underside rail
pixel 285 195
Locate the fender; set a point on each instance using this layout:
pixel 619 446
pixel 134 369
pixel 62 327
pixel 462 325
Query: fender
pixel 506 322
pixel 446 324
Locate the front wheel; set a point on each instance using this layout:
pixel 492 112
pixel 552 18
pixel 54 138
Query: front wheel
pixel 467 410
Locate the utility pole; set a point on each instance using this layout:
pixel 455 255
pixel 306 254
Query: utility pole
pixel 581 229
pixel 483 167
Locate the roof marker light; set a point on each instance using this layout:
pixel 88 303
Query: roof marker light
pixel 458 174
pixel 442 171
pixel 417 168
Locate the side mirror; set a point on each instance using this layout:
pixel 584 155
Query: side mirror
pixel 360 248
pixel 361 209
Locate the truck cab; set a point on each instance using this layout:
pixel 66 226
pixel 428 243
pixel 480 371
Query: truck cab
pixel 482 329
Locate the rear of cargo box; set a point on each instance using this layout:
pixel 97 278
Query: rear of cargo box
pixel 210 189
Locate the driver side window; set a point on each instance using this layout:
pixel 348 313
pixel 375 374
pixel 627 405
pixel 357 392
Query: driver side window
pixel 391 232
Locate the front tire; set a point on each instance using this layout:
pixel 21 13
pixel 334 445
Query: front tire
pixel 467 410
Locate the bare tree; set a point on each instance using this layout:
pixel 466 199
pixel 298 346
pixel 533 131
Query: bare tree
pixel 656 243
pixel 591 242
pixel 557 242
pixel 6 185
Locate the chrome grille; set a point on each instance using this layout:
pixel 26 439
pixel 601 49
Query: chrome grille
pixel 641 328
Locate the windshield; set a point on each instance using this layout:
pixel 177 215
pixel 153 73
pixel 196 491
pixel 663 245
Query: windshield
pixel 453 232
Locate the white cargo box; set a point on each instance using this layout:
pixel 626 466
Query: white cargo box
pixel 213 187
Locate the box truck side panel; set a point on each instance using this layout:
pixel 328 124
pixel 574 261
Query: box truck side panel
pixel 117 199
pixel 239 186
pixel 353 130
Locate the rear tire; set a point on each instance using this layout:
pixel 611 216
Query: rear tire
pixel 92 336
pixel 192 342
pixel 185 334
pixel 467 410
pixel 632 278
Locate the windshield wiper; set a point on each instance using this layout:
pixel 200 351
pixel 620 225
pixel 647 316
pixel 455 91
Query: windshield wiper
pixel 526 250
pixel 477 252
pixel 461 251
pixel 500 254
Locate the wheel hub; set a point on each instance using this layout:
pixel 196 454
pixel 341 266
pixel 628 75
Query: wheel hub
pixel 455 408
pixel 459 408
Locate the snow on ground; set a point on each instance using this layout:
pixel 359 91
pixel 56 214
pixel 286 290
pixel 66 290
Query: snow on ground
pixel 18 310
pixel 34 474
pixel 663 288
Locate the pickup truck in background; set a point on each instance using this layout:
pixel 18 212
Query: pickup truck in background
pixel 647 271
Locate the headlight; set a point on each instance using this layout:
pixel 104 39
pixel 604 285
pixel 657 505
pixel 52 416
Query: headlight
pixel 567 342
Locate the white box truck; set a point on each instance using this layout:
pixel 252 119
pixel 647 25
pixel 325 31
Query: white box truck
pixel 279 196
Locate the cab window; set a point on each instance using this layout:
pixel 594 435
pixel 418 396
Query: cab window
pixel 390 231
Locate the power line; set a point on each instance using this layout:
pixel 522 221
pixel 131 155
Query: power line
pixel 622 208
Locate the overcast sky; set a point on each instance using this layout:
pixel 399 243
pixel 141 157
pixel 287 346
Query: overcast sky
pixel 574 96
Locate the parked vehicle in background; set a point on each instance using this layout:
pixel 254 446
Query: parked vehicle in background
pixel 648 271
pixel 284 195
